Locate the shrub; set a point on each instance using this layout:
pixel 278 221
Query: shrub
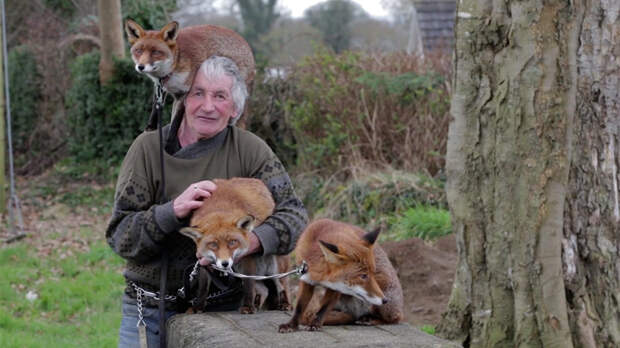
pixel 104 120
pixel 425 222
pixel 25 87
pixel 269 117
pixel 370 200
pixel 148 13
pixel 355 111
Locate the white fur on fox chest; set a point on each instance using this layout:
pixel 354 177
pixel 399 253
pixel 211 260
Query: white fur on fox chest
pixel 356 291
pixel 176 84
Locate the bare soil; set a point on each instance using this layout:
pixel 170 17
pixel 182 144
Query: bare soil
pixel 426 273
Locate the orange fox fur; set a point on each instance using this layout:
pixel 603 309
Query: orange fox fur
pixel 221 229
pixel 360 283
pixel 174 54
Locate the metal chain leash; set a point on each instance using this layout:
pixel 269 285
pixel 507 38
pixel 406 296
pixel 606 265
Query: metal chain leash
pixel 302 269
pixel 140 292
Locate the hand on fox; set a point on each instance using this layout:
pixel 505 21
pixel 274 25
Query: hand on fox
pixel 192 198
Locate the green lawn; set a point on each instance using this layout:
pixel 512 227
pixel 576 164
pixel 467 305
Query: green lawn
pixel 78 302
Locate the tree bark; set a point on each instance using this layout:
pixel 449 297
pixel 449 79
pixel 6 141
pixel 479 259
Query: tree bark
pixel 532 174
pixel 591 227
pixel 111 33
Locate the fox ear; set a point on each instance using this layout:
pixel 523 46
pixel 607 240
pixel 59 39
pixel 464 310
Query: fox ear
pixel 371 237
pixel 134 31
pixel 330 251
pixel 170 31
pixel 246 223
pixel 191 233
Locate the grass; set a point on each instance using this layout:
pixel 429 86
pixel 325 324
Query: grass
pixel 65 263
pixel 78 297
pixel 422 221
pixel 429 329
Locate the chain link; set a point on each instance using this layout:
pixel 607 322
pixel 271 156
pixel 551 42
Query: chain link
pixel 139 292
pixel 302 269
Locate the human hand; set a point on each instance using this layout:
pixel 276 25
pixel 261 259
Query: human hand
pixel 192 198
pixel 254 247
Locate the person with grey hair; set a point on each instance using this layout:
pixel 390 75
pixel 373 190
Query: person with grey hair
pixel 201 144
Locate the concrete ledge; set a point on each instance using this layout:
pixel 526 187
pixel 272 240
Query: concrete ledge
pixel 231 329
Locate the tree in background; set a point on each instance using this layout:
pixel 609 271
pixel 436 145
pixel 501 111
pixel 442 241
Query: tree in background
pixel 532 167
pixel 148 13
pixel 333 19
pixel 258 17
pixel 111 34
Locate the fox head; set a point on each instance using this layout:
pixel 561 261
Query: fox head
pixel 153 51
pixel 222 238
pixel 351 269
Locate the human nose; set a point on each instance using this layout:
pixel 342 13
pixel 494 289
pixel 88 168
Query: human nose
pixel 207 104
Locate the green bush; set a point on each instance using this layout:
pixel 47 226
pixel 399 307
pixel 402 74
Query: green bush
pixel 148 13
pixel 356 111
pixel 370 200
pixel 104 120
pixel 269 117
pixel 425 222
pixel 25 87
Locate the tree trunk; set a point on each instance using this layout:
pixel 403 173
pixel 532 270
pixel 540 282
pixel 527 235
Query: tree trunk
pixel 111 33
pixel 591 240
pixel 532 179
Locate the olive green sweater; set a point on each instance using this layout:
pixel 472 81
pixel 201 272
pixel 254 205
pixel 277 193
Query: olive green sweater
pixel 140 227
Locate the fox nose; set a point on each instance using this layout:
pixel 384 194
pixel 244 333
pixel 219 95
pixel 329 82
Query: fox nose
pixel 384 300
pixel 141 67
pixel 225 264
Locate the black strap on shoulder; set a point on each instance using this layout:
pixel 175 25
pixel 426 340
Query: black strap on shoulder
pixel 157 119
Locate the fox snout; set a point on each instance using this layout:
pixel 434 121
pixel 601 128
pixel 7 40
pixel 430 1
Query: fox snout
pixel 146 68
pixel 224 263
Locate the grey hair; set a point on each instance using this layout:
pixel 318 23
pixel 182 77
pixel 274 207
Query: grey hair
pixel 216 66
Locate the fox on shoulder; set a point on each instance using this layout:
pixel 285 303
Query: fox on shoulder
pixel 221 229
pixel 361 286
pixel 172 55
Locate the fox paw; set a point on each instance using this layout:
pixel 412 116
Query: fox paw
pixel 315 326
pixel 368 320
pixel 247 310
pixel 285 306
pixel 284 328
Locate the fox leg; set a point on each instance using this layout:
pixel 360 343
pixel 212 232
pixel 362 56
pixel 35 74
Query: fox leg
pixel 305 295
pixel 329 299
pixel 249 287
pixel 338 318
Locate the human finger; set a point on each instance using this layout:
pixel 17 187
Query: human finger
pixel 206 185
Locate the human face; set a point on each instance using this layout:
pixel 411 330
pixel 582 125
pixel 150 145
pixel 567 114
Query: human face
pixel 208 105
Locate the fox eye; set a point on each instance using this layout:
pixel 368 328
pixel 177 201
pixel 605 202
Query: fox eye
pixel 364 276
pixel 157 53
pixel 232 243
pixel 139 50
pixel 212 245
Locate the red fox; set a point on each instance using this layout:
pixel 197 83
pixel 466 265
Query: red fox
pixel 173 56
pixel 220 228
pixel 361 284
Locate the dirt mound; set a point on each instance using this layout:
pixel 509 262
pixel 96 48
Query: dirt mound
pixel 426 274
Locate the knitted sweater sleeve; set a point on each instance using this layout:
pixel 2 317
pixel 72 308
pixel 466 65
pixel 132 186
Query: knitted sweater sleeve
pixel 279 233
pixel 138 225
